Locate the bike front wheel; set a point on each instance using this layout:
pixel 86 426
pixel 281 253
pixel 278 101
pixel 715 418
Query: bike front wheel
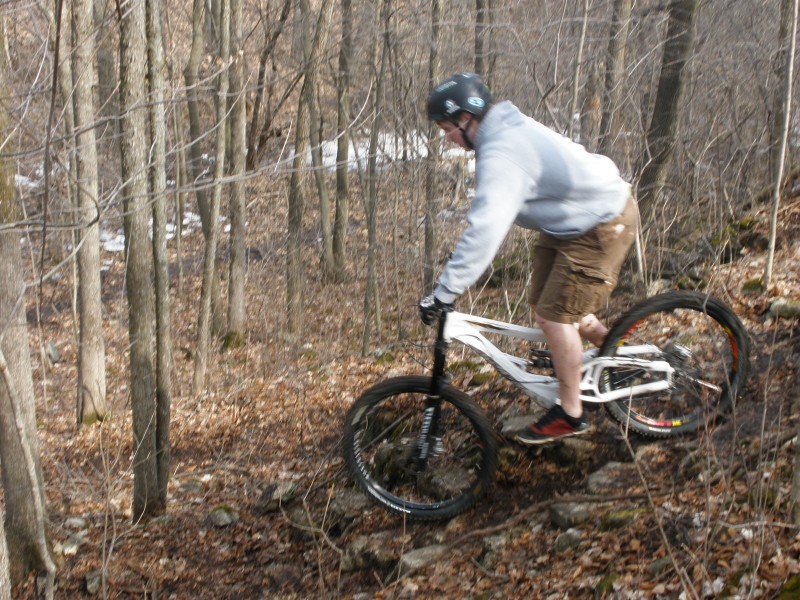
pixel 381 447
pixel 702 340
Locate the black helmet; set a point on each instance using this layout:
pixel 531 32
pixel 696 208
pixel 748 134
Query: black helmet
pixel 463 92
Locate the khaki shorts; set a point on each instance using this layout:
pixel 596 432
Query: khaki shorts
pixel 573 278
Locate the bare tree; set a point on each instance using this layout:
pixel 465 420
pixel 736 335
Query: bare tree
pixel 158 193
pixel 91 401
pixel 139 286
pixel 789 38
pixel 23 484
pixel 210 254
pixel 576 74
pixel 319 42
pixel 372 307
pixel 789 44
pixel 191 75
pixel 484 34
pixel 667 109
pixel 5 574
pixel 294 263
pixel 343 142
pixel 432 161
pixel 260 133
pixel 615 67
pixel 237 205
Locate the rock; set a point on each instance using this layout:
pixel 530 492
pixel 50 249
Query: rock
pixel 93 581
pixel 304 527
pixel 223 516
pixel 569 539
pixel 785 308
pixel 348 505
pixel 568 514
pixel 443 483
pixel 495 543
pixel 614 477
pixel 618 519
pixel 368 552
pixel 275 495
pixel 73 544
pixel 492 547
pixel 659 565
pixel 75 523
pixel 421 557
pixel 511 425
pixel 192 486
pixel 573 451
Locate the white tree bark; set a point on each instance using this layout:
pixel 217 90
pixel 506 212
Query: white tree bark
pixel 91 401
pixel 238 206
pixel 158 192
pixel 23 486
pixel 788 79
pixel 210 255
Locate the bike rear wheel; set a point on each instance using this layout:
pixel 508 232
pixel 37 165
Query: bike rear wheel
pixel 381 433
pixel 706 344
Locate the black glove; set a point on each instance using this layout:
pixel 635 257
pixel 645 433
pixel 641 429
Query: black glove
pixel 431 308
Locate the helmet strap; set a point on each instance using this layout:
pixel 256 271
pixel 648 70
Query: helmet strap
pixel 467 141
pixel 462 127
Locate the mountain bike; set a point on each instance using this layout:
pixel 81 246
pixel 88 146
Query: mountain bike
pixel 420 447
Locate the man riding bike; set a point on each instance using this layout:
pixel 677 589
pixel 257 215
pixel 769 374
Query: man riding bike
pixel 583 210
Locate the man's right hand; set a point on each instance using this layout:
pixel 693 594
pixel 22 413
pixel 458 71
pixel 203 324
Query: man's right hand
pixel 431 308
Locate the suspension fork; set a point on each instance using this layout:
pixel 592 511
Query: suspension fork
pixel 429 430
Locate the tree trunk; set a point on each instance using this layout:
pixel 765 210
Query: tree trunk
pixel 60 39
pixel 372 309
pixel 238 206
pixel 432 161
pixel 158 192
pixel 64 213
pixel 191 77
pixel 591 109
pixel 484 52
pixel 777 113
pixel 260 133
pixel 663 129
pixel 5 573
pixel 210 255
pixel 107 93
pixel 139 286
pixel 576 73
pixel 788 51
pixel 23 486
pixel 91 400
pixel 343 143
pixel 314 49
pixel 294 261
pixel 615 67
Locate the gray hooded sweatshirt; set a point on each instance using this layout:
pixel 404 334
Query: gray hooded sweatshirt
pixel 530 175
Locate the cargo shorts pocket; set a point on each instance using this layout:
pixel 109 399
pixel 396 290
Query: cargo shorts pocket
pixel 587 290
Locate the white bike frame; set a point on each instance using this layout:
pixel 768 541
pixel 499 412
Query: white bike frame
pixel 469 330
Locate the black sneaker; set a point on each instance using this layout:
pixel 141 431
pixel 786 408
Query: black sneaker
pixel 553 425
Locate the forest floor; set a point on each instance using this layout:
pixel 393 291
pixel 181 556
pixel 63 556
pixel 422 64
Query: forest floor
pixel 272 412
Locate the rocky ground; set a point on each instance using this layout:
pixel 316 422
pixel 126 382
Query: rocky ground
pixel 260 505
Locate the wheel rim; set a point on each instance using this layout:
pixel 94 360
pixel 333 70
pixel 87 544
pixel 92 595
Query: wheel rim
pixel 385 453
pixel 705 356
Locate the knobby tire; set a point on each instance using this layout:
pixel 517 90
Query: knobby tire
pixel 380 430
pixel 706 344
